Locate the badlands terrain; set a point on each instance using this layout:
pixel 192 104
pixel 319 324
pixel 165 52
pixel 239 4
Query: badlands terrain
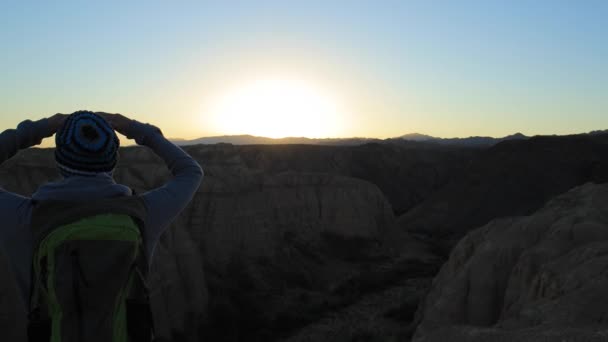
pixel 381 241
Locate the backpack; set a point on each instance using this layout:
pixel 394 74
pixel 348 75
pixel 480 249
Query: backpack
pixel 89 271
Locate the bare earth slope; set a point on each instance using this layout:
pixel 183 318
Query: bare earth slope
pixel 534 278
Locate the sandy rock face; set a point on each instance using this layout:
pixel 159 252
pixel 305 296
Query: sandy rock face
pixel 532 278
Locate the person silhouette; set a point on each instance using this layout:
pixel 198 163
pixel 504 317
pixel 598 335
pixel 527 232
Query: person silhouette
pixel 66 243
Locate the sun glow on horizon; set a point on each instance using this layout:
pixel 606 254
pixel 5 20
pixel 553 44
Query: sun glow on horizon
pixel 278 108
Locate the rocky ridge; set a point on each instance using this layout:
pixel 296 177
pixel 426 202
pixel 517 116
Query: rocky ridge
pixel 512 178
pixel 533 278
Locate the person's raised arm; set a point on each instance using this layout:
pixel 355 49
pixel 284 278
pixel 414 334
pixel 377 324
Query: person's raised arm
pixel 164 203
pixel 27 134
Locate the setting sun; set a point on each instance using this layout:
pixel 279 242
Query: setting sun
pixel 278 108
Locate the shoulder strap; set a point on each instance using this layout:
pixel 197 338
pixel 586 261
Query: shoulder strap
pixel 47 215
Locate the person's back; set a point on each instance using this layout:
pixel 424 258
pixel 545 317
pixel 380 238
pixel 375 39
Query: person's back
pixel 86 154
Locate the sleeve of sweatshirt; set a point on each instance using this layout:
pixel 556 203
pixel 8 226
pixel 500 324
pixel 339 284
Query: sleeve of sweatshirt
pixel 165 203
pixel 27 134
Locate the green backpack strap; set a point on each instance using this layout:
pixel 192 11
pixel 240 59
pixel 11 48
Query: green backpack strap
pixel 89 272
pixel 47 215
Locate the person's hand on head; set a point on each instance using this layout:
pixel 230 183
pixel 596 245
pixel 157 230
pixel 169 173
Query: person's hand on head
pixel 56 121
pixel 119 122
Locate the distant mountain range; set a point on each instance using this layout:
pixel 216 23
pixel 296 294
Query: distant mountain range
pixel 417 138
pixel 470 141
pixel 254 140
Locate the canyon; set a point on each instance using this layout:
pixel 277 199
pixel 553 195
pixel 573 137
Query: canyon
pixel 373 242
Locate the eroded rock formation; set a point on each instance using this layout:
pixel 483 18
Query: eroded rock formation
pixel 534 278
pixel 510 179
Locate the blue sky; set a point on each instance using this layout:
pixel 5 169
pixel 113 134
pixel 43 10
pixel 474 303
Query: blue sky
pixel 437 67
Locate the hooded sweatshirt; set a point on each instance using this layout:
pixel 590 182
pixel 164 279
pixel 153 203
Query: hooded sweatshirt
pixel 163 204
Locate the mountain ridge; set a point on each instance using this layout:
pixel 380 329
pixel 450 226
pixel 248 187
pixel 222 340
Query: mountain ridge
pixel 471 141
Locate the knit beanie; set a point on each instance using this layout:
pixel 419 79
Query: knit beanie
pixel 86 145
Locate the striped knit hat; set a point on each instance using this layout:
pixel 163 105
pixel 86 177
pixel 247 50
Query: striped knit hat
pixel 86 145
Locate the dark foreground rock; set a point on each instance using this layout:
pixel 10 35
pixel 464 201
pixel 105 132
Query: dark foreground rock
pixel 535 278
pixel 382 316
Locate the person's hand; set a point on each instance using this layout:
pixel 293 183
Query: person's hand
pixel 56 121
pixel 119 122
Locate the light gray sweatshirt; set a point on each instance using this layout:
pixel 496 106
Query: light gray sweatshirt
pixel 162 204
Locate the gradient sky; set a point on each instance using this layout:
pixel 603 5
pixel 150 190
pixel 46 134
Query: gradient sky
pixel 444 68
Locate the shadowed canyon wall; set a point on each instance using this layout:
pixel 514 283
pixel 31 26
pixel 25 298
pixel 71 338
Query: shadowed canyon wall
pixel 533 278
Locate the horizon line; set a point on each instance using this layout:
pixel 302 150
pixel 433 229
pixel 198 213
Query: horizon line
pixel 414 134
